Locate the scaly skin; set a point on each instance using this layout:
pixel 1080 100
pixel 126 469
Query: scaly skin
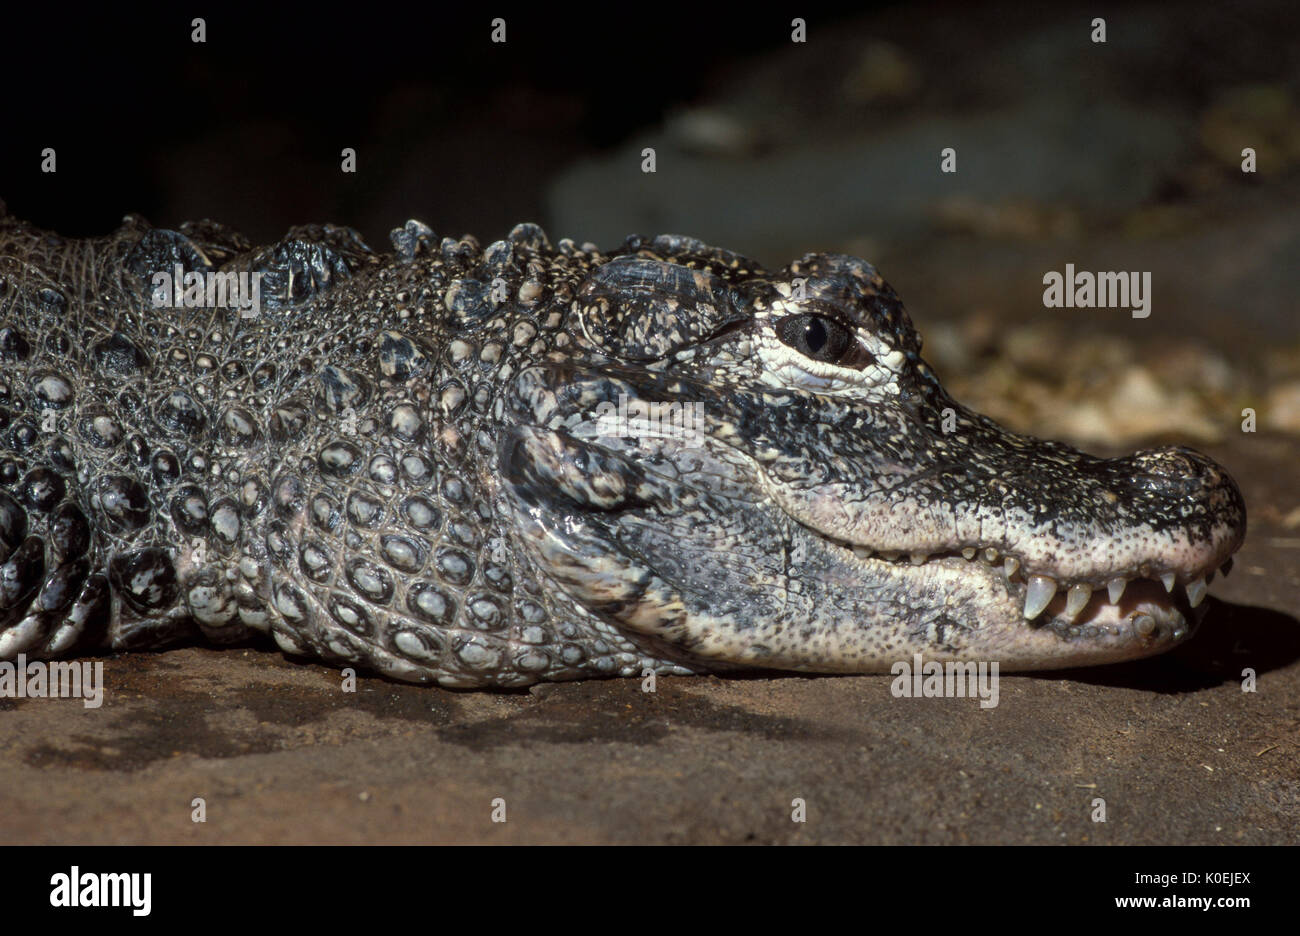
pixel 401 463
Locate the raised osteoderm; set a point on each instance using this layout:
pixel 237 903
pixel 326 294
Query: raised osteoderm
pixel 492 466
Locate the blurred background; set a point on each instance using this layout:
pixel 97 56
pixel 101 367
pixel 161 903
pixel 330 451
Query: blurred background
pixel 1120 156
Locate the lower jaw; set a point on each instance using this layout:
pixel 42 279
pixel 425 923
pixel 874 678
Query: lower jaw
pixel 1147 629
pixel 1147 620
pixel 987 611
pixel 1144 611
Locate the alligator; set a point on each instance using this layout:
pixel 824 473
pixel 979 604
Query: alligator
pixel 490 466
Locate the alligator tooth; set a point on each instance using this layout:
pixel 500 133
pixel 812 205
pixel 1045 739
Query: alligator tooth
pixel 990 555
pixel 889 554
pixel 1144 625
pixel 919 558
pixel 968 553
pixel 1076 599
pixel 1040 592
pixel 862 552
pixel 1116 589
pixel 1196 591
pixel 1011 566
pixel 1168 579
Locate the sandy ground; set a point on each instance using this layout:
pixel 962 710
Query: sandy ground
pixel 279 753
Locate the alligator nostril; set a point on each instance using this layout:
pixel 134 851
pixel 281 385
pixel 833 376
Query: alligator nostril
pixel 1177 464
pixel 1170 463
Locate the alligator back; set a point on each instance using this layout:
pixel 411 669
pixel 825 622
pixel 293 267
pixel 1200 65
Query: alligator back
pixel 175 465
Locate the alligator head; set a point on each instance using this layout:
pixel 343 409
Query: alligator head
pixel 760 469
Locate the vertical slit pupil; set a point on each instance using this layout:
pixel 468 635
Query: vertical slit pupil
pixel 815 335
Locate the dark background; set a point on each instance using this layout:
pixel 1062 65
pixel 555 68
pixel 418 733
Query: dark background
pixel 248 126
pixel 1068 150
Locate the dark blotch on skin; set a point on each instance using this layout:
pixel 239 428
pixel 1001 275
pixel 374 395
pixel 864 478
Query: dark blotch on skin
pixel 118 355
pixel 69 531
pixel 145 578
pixel 42 489
pixel 124 502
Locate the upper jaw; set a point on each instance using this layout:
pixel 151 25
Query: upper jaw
pixel 1058 525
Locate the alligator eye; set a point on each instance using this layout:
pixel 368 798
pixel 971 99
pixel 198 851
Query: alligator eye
pixel 822 339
